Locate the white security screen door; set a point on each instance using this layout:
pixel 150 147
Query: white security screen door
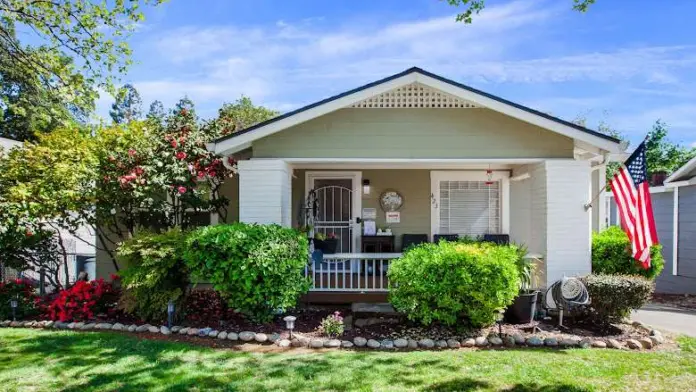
pixel 338 204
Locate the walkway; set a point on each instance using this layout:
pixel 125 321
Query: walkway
pixel 667 318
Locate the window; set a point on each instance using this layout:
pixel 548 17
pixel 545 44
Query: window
pixel 469 208
pixel 466 203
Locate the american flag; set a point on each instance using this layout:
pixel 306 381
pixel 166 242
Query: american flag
pixel 632 194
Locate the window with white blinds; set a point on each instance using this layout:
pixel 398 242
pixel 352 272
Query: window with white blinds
pixel 470 208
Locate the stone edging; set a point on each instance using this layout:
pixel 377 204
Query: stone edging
pixel 646 343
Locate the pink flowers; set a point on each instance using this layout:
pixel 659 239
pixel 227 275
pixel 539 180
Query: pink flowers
pixel 131 152
pixel 180 155
pixel 173 143
pixel 182 189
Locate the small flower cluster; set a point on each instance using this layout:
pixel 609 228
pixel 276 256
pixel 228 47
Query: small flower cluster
pixel 332 325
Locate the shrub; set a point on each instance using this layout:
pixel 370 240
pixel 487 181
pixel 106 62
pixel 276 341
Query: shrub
pixel 611 254
pixel 155 273
pixel 613 297
pixel 22 291
pixel 449 282
pixel 257 269
pixel 84 301
pixel 332 325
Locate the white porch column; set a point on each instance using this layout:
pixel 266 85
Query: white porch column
pixel 265 191
pixel 568 249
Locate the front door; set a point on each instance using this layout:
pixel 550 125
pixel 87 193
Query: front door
pixel 338 200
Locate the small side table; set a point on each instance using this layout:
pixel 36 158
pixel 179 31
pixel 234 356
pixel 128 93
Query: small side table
pixel 377 244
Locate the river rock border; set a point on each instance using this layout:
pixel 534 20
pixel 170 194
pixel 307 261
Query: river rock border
pixel 654 339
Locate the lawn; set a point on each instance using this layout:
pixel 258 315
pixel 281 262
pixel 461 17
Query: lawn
pixel 37 360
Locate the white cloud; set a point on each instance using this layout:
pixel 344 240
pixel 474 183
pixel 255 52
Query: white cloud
pixel 288 63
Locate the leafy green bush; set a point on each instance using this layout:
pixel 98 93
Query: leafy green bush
pixel 155 273
pixel 613 297
pixel 449 282
pixel 257 268
pixel 611 254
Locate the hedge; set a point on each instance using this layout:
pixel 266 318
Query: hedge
pixel 452 282
pixel 257 269
pixel 611 254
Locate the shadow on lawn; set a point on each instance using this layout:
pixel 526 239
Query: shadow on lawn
pixel 75 361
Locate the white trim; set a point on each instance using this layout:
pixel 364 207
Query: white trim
pixel 684 169
pixel 675 233
pixel 356 177
pixel 403 163
pixel 520 177
pixel 677 184
pixel 242 141
pixel 653 189
pixel 437 176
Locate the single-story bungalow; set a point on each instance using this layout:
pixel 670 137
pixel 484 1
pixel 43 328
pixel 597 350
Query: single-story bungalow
pixel 416 157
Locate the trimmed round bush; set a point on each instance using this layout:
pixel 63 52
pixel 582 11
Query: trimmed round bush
pixel 614 297
pixel 257 269
pixel 454 282
pixel 611 254
pixel 155 273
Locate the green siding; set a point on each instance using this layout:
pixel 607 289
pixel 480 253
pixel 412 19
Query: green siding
pixel 414 133
pixel 414 186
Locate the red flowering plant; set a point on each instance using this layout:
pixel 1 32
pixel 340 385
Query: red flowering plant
pixel 85 301
pixel 21 291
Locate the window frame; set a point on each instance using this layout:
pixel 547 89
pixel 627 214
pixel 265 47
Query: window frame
pixel 479 175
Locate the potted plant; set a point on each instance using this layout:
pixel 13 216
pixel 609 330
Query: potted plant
pixel 523 309
pixel 327 243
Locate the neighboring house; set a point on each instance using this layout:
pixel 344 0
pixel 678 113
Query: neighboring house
pixel 674 207
pixel 465 162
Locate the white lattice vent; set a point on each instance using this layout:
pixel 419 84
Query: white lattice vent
pixel 414 95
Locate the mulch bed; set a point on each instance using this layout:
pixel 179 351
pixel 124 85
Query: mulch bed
pixel 388 326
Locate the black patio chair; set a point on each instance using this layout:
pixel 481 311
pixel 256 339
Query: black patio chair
pixel 410 240
pixel 447 237
pixel 499 239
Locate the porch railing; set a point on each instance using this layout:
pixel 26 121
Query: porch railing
pixel 358 272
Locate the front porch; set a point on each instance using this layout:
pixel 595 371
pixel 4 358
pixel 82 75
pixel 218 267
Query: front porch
pixel 536 203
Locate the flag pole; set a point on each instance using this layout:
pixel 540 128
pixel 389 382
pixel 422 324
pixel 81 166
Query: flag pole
pixel 589 205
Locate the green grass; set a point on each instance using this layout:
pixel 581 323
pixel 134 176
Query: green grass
pixel 37 360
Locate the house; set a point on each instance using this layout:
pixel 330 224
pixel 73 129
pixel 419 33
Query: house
pixel 421 155
pixel 674 208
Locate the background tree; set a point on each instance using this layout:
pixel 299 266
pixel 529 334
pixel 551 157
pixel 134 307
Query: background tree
pixel 475 6
pixel 77 45
pixel 242 114
pixel 662 154
pixel 47 187
pixel 128 105
pixel 156 112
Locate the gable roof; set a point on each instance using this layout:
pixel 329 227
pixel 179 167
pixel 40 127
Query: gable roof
pixel 242 139
pixel 685 172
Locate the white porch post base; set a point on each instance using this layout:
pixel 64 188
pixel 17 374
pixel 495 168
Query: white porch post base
pixel 265 192
pixel 568 251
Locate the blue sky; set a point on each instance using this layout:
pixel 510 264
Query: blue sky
pixel 625 63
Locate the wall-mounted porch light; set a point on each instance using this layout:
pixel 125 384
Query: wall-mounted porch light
pixel 366 187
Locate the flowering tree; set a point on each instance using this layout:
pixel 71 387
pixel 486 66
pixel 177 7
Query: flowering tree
pixel 159 176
